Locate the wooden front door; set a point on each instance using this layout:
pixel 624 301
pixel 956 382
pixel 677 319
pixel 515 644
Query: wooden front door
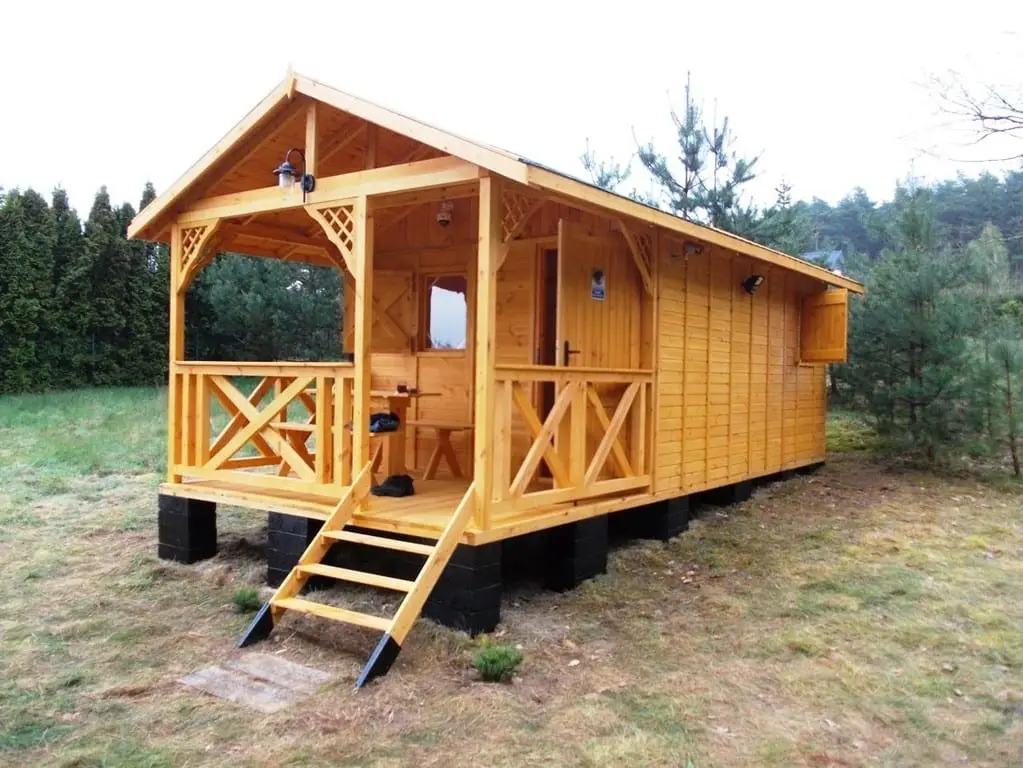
pixel 599 301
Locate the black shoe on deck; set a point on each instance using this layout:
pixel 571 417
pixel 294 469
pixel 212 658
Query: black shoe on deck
pixel 395 485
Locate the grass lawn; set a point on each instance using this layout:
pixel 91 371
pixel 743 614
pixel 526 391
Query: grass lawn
pixel 860 616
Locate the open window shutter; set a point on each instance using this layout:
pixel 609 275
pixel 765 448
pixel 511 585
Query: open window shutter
pixel 824 327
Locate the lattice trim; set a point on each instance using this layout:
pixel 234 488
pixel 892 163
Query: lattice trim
pixel 338 223
pixel 641 245
pixel 195 243
pixel 342 224
pixel 645 247
pixel 517 206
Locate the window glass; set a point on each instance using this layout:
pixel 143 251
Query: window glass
pixel 446 311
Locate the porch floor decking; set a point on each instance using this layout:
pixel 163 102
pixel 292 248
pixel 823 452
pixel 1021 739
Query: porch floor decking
pixel 425 514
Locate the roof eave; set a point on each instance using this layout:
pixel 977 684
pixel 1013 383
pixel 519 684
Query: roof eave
pixel 565 185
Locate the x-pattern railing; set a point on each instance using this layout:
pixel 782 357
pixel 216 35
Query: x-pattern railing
pixel 592 440
pixel 259 445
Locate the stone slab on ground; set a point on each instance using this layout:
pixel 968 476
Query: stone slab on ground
pixel 265 683
pixel 281 672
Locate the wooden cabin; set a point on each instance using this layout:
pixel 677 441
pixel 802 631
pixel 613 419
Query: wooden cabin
pixel 557 354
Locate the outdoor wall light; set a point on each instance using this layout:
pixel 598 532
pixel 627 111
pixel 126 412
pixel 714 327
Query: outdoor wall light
pixel 286 174
pixel 689 248
pixel 751 283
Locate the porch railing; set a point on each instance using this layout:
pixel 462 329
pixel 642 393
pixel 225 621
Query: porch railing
pixel 276 426
pixel 593 440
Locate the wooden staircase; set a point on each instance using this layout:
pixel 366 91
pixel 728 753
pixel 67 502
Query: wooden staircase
pixel 311 564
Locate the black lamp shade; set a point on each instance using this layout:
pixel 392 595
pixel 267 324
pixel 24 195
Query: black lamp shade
pixel 751 283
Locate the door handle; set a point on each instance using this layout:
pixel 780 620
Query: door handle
pixel 569 352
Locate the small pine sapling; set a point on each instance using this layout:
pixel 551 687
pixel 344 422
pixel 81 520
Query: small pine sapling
pixel 496 663
pixel 246 600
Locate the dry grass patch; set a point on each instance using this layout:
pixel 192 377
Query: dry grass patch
pixel 853 617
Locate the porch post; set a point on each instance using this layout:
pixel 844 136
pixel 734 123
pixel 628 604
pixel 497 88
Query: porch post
pixel 362 253
pixel 487 260
pixel 176 353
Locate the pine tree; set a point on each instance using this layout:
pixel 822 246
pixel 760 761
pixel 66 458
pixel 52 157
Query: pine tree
pixel 709 183
pixel 784 226
pixel 1007 358
pixel 910 355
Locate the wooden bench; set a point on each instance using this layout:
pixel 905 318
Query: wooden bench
pixel 442 447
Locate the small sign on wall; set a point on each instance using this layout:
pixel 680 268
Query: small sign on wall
pixel 598 288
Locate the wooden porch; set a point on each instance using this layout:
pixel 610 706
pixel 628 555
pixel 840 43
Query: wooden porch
pixel 283 441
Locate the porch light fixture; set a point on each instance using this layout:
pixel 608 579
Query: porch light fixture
pixel 689 248
pixel 751 283
pixel 286 174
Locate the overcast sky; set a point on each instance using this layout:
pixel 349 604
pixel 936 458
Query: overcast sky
pixel 117 94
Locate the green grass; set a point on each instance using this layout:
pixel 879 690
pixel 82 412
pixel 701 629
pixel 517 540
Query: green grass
pixel 101 431
pixel 849 432
pixel 862 615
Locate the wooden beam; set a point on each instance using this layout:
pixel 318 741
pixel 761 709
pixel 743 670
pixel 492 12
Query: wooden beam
pixel 423 174
pixel 342 139
pixel 370 159
pixel 272 234
pixel 312 139
pixel 419 196
pixel 362 271
pixel 496 160
pixel 488 252
pixel 637 257
pixel 176 352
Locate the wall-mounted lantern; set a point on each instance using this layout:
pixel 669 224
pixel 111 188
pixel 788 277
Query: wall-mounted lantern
pixel 751 283
pixel 287 176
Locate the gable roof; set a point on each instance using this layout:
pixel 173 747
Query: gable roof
pixel 155 218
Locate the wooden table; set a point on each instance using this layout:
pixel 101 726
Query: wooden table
pixel 393 462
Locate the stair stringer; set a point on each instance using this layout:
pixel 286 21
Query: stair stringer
pixel 269 614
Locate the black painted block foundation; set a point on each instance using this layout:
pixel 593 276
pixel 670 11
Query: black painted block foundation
pixel 468 594
pixel 726 495
pixel 287 537
pixel 576 552
pixel 662 520
pixel 186 529
pixel 809 469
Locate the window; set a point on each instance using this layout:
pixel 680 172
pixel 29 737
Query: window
pixel 446 312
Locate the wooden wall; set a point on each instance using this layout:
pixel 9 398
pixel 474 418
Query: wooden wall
pixel 405 253
pixel 733 400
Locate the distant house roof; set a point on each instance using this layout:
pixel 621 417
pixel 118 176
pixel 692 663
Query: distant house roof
pixel 832 259
pixel 152 223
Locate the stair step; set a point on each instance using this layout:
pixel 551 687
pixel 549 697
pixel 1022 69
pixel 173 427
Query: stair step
pixel 380 541
pixel 359 577
pixel 333 613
